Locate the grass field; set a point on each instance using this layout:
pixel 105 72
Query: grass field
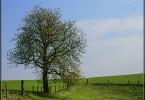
pixel 15 85
pixel 119 79
pixel 94 92
pixel 83 92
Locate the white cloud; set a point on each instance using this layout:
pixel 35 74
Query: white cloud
pixel 120 54
pixel 96 28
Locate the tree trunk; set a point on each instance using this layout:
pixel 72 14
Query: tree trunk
pixel 45 82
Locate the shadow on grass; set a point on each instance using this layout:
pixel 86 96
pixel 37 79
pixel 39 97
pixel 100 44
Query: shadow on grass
pixel 39 94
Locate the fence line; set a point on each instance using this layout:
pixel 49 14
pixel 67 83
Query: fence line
pixel 59 88
pixel 37 89
pixel 109 82
pixel 52 89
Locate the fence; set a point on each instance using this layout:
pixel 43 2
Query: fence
pixel 34 89
pixel 108 82
pixel 52 89
pixel 59 88
pixel 4 91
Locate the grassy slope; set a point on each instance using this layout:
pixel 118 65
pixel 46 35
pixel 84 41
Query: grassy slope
pixel 93 92
pixel 28 84
pixel 120 79
pixel 88 92
pixel 85 92
pixel 97 92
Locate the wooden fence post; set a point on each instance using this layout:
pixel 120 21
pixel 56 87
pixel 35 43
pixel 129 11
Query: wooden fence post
pixel 108 81
pixel 37 88
pixel 138 82
pixel 22 87
pixel 87 81
pixel 6 89
pixel 33 88
pixel 59 88
pixel 55 88
pixel 41 89
pixel 128 82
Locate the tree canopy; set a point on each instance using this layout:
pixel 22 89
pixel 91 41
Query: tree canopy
pixel 47 42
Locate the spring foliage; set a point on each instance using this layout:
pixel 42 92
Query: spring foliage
pixel 45 42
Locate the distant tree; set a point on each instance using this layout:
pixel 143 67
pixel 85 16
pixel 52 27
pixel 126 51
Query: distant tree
pixel 44 41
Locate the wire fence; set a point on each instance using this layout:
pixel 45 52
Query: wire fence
pixel 34 89
pixel 58 88
pixel 108 82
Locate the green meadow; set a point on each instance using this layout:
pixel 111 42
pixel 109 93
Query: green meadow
pixel 118 79
pixel 82 91
pixel 30 85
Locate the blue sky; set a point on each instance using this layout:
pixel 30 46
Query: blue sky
pixel 113 28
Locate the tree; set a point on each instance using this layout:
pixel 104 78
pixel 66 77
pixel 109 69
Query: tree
pixel 44 41
pixel 71 77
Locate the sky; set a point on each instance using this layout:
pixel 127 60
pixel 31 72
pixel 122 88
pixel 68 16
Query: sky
pixel 113 28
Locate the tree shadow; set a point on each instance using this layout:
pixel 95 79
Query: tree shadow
pixel 40 94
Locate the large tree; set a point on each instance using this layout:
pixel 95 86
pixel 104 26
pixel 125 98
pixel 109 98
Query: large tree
pixel 44 41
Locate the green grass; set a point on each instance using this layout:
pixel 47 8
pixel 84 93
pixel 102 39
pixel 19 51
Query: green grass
pixel 104 92
pixel 14 90
pixel 28 85
pixel 87 92
pixel 82 92
pixel 120 79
